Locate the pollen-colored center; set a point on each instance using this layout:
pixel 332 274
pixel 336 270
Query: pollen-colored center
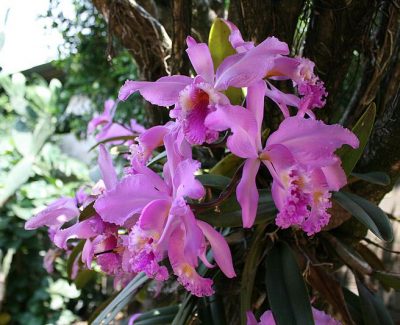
pixel 195 98
pixel 187 270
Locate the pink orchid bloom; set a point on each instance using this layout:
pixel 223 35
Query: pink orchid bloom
pixel 195 98
pixel 299 70
pixel 299 155
pixel 165 219
pixel 320 318
pixel 109 129
pixel 56 214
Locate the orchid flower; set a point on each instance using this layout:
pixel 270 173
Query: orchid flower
pixel 166 224
pixel 320 318
pixel 299 155
pixel 109 129
pixel 195 98
pixel 299 70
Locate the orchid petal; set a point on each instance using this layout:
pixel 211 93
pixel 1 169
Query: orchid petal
pixel 312 142
pixel 247 193
pixel 255 104
pixel 154 216
pixel 241 70
pixel 236 39
pixel 163 92
pixel 200 57
pixel 107 170
pixel 335 175
pixel 82 230
pixel 250 318
pixel 219 247
pixel 129 197
pixel 185 182
pixel 243 141
pixel 58 212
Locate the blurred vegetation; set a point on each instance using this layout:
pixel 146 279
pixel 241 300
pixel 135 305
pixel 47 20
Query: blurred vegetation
pixel 35 170
pixel 94 65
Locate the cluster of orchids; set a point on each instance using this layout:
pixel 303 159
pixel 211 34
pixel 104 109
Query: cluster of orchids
pixel 145 222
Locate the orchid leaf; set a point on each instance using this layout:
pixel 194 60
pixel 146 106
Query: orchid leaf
pixel 120 300
pixel 367 213
pixel 362 130
pixel 229 213
pixel 87 212
pixel 388 279
pixel 220 48
pixel 250 269
pixel 372 307
pixel 215 181
pixel 227 166
pixel 157 158
pixel 84 277
pixel 287 292
pixel 353 304
pixel 378 178
pixel 330 289
pixel 72 257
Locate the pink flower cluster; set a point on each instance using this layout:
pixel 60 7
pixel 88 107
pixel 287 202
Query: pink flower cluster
pixel 143 222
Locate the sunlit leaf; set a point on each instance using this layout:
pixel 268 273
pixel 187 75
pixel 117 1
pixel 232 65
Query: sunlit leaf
pixel 367 213
pixel 287 292
pixel 220 48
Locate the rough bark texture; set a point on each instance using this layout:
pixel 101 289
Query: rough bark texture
pixel 336 29
pixel 182 18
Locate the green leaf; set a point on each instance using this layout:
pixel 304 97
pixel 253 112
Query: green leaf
pixel 227 166
pixel 389 279
pixel 120 301
pixel 229 213
pixel 83 278
pixel 215 181
pixel 287 292
pixel 18 176
pixel 372 307
pixel 72 257
pixel 43 130
pixel 249 271
pixel 367 213
pixel 157 158
pixel 353 304
pixel 220 48
pixel 362 130
pixel 378 178
pixel 87 212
